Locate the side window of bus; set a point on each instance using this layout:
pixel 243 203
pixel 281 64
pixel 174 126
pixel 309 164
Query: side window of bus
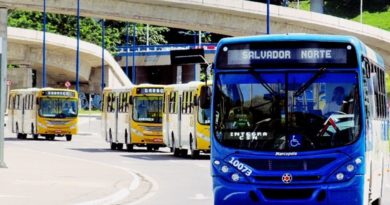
pixel 120 102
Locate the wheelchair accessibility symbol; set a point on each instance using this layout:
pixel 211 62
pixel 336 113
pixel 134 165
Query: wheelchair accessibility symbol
pixel 295 140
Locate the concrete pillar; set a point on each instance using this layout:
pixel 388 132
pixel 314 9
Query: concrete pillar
pixel 3 76
pixel 20 77
pixel 317 6
pixel 178 74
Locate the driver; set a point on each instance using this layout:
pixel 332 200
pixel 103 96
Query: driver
pixel 337 101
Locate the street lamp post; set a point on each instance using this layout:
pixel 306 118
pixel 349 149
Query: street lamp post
pixel 78 47
pixel 44 46
pixel 127 49
pixel 134 79
pixel 103 34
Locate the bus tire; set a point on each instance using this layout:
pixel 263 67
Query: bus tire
pixel 193 152
pixel 176 151
pixel 35 136
pixel 119 146
pixel 18 135
pixel 156 148
pixel 149 148
pixel 68 137
pixel 113 146
pixel 129 147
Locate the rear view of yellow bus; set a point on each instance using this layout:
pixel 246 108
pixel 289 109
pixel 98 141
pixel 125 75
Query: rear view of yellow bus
pixel 146 116
pixel 47 112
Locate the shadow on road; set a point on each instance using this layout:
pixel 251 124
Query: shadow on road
pixel 13 139
pixel 163 156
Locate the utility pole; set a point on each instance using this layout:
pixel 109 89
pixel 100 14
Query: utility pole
pixel 3 76
pixel 44 46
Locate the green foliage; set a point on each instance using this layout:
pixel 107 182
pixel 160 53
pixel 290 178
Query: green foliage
pixel 90 29
pixel 375 13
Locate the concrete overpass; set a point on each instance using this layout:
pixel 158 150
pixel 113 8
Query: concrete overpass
pixel 229 17
pixel 25 48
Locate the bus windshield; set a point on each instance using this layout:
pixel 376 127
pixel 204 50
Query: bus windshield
pixel 52 107
pixel 147 109
pixel 287 111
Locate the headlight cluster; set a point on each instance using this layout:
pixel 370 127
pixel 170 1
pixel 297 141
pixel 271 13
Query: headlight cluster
pixel 41 125
pixel 347 171
pixel 137 132
pixel 228 172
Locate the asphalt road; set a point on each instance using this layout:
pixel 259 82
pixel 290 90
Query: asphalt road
pixel 163 179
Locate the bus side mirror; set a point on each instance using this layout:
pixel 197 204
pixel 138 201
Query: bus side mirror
pixel 131 100
pixel 195 102
pixel 204 98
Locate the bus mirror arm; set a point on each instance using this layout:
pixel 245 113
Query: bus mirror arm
pixel 195 102
pixel 204 98
pixel 131 100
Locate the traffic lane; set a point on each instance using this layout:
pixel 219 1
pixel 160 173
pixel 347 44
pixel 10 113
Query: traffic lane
pixel 179 180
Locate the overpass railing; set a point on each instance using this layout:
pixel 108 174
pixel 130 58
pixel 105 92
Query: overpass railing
pixel 141 50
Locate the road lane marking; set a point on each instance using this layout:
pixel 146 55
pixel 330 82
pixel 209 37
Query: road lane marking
pixel 122 193
pixel 199 196
pixel 11 196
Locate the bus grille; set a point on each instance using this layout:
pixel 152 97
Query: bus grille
pixel 287 165
pixel 58 122
pixel 153 128
pixel 286 194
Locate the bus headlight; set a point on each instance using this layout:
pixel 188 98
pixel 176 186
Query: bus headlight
pixel 228 172
pixel 225 169
pixel 346 171
pixel 137 132
pixel 41 125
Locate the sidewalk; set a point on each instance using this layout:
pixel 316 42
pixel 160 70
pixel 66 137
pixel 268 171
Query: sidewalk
pixel 34 177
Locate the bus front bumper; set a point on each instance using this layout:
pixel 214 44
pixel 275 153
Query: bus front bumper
pixel 350 192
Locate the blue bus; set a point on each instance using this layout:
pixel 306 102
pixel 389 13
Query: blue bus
pixel 298 119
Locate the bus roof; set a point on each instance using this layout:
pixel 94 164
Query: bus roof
pixel 362 49
pixel 186 86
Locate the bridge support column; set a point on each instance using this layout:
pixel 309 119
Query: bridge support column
pixel 3 77
pixel 317 6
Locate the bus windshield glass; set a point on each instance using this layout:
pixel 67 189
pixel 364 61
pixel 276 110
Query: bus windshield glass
pixel 52 107
pixel 147 109
pixel 287 111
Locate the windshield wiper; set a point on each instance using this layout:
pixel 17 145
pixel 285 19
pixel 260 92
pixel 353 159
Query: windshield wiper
pixel 309 82
pixel 264 83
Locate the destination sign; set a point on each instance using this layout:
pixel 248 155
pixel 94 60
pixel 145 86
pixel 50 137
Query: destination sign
pixel 150 90
pixel 304 55
pixel 286 54
pixel 58 93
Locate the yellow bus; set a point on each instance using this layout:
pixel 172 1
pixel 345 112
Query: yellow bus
pixel 186 126
pixel 48 112
pixel 133 116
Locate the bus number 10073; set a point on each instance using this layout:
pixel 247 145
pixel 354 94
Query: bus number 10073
pixel 240 166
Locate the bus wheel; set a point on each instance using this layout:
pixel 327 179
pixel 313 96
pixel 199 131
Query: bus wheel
pixel 149 148
pixel 129 147
pixel 176 151
pixel 194 153
pixel 113 146
pixel 68 137
pixel 156 148
pixel 50 137
pixel 184 152
pixel 119 146
pixel 35 136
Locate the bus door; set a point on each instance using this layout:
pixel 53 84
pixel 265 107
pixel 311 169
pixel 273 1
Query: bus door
pixel 179 122
pixel 116 103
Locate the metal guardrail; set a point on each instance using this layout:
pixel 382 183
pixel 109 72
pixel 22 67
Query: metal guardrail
pixel 165 48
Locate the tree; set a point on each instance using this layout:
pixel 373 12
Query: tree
pixel 90 29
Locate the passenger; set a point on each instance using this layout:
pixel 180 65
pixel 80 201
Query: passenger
pixel 337 101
